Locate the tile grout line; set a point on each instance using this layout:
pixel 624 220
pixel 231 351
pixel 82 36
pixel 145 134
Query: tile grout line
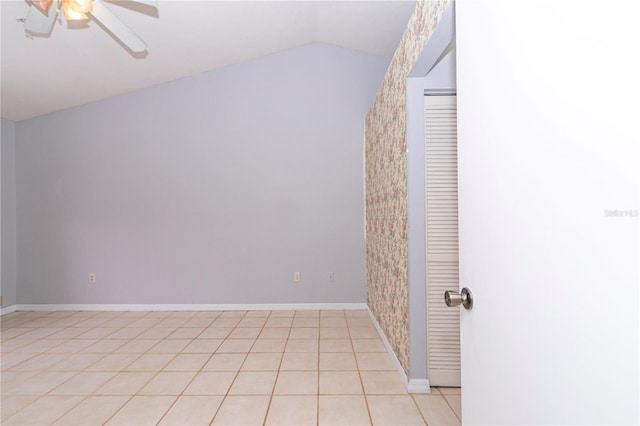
pixel 364 394
pixel 239 368
pixel 413 399
pixel 450 406
pixel 275 383
pixel 119 409
pixel 318 373
pixel 194 376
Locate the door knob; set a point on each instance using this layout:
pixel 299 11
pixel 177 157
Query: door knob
pixel 453 298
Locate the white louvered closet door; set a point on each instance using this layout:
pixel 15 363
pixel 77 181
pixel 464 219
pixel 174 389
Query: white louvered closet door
pixel 443 324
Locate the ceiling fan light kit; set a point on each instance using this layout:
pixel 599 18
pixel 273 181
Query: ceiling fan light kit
pixel 43 5
pixel 76 10
pixel 42 16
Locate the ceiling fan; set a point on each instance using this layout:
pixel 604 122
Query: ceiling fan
pixel 42 15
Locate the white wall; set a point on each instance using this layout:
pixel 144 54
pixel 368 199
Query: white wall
pixel 211 189
pixel 8 209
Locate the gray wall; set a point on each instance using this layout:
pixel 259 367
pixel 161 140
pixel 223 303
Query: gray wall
pixel 8 213
pixel 210 189
pixel 442 78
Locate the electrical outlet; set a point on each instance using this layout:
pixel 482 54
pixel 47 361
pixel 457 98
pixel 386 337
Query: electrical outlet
pixel 296 277
pixel 92 278
pixel 332 277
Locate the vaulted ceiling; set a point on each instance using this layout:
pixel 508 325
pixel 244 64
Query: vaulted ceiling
pixel 74 66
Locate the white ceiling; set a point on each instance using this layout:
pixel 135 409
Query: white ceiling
pixel 76 66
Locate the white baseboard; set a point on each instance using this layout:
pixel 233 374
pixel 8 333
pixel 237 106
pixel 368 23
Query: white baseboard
pixel 190 307
pixel 418 386
pixel 413 385
pixel 8 309
pixel 394 357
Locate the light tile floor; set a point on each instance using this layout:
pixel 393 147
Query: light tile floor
pixel 200 368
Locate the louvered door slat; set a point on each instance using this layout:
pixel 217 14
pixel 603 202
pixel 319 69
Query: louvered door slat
pixel 441 197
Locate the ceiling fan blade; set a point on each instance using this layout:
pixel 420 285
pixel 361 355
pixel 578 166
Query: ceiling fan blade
pixel 152 3
pixel 101 14
pixel 38 22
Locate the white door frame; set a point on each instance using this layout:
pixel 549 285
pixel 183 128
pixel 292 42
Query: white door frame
pixel 437 47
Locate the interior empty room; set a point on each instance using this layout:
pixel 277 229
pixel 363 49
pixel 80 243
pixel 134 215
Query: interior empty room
pixel 317 213
pixel 184 243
